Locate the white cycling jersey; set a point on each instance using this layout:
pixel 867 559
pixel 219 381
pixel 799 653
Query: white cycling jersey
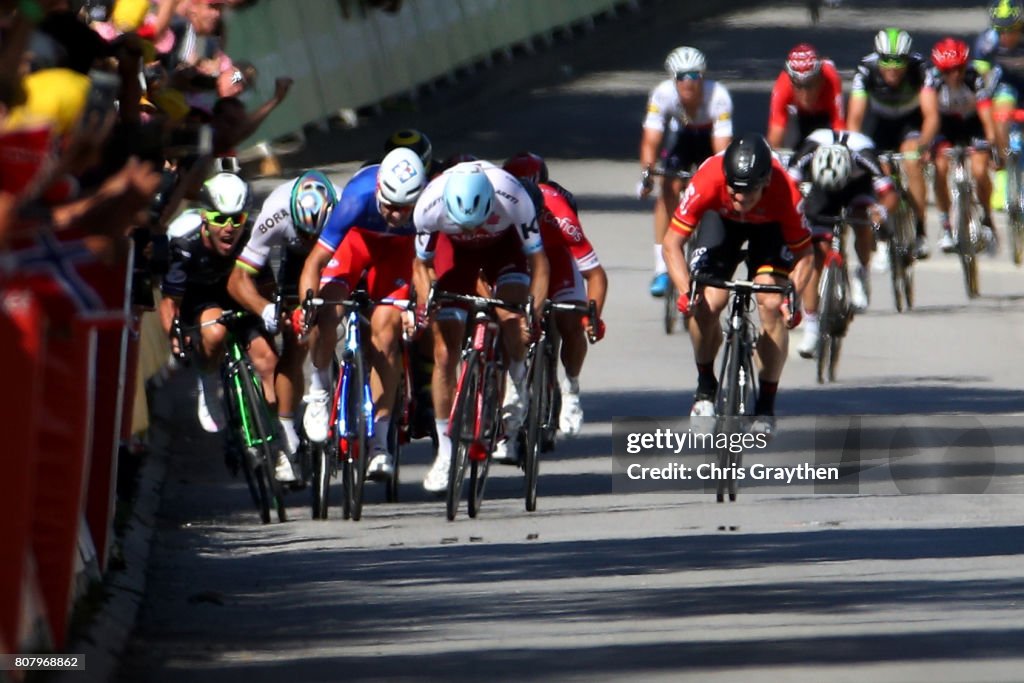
pixel 273 227
pixel 513 209
pixel 714 114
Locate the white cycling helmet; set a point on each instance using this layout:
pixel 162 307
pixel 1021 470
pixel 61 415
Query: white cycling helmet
pixel 225 193
pixel 684 59
pixel 468 197
pixel 401 177
pixel 831 167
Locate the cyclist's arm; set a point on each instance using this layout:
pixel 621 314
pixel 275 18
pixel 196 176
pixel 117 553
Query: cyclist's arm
pixel 597 286
pixel 778 115
pixel 422 275
pixel 649 144
pixel 672 248
pixel 315 263
pixel 857 109
pixel 243 289
pixel 930 116
pixel 540 276
pixel 988 124
pixel 720 110
pixel 170 308
pixel 802 268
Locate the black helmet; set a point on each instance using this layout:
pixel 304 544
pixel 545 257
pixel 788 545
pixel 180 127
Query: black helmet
pixel 414 140
pixel 748 162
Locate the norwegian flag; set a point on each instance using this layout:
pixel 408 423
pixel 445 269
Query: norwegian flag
pixel 70 270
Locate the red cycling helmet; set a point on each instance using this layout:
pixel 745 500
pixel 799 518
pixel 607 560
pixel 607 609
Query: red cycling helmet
pixel 949 54
pixel 527 165
pixel 803 63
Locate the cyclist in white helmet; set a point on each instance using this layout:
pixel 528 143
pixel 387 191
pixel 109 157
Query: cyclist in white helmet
pixel 476 220
pixel 689 118
pixel 291 219
pixel 370 234
pixel 844 171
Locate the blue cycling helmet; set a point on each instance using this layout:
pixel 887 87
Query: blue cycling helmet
pixel 313 199
pixel 468 197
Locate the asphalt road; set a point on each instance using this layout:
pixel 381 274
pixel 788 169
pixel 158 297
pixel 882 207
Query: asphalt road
pixel 900 576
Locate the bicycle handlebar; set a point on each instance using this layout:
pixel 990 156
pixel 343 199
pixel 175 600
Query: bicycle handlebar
pixel 589 309
pixel 178 330
pixel 741 286
pixel 359 300
pixel 436 296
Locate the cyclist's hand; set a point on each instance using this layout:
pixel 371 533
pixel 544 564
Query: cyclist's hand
pixel 791 318
pixel 595 333
pixel 684 305
pixel 298 322
pixel 646 184
pixel 422 318
pixel 269 318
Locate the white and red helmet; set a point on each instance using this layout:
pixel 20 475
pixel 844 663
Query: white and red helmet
pixel 949 54
pixel 803 63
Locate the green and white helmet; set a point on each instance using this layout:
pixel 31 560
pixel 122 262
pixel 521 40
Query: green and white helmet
pixel 892 42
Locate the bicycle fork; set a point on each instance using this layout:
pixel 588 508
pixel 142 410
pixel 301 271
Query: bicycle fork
pixel 346 431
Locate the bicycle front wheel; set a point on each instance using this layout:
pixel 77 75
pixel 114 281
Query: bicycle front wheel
pixel 321 483
pixel 671 318
pixel 535 421
pixel 463 427
pixel 490 419
pixel 359 444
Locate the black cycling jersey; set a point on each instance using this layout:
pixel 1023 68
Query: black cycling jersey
pixel 884 101
pixel 193 264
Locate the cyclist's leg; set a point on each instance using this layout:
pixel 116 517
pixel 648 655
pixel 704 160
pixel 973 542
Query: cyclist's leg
pixel 289 383
pixel 389 273
pixel 941 161
pixel 716 252
pixel 573 353
pixel 209 343
pixel 772 262
pixel 914 167
pixel 980 159
pixel 859 197
pixel 456 272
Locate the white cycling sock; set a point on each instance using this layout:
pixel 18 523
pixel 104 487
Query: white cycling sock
pixel 320 380
pixel 574 384
pixel 659 261
pixel 290 435
pixel 444 442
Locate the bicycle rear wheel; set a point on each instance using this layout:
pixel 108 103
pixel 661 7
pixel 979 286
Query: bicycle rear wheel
pixel 901 255
pixel 256 437
pixel 1015 210
pixel 463 426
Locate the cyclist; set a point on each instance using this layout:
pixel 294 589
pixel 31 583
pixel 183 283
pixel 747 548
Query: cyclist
pixel 291 218
pixel 689 118
pixel 810 91
pixel 743 194
pixel 369 235
pixel 204 243
pixel 965 106
pixel 476 218
pixel 576 275
pixel 845 173
pixel 1000 57
pixel 891 105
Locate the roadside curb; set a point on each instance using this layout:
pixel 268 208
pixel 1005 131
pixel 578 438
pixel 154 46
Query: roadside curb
pixel 106 637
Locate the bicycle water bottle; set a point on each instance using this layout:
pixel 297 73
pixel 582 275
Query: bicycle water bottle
pixel 1016 140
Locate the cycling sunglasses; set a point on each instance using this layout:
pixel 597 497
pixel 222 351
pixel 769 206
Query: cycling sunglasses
pixel 403 209
pixel 893 62
pixel 220 220
pixel 689 75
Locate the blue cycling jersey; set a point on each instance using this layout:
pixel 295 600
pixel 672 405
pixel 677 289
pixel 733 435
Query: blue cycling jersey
pixel 357 208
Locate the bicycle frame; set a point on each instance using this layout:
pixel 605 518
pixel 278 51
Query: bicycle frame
pixel 901 235
pixel 474 421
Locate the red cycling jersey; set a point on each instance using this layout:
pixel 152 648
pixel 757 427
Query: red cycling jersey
pixel 830 99
pixel 560 226
pixel 780 203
